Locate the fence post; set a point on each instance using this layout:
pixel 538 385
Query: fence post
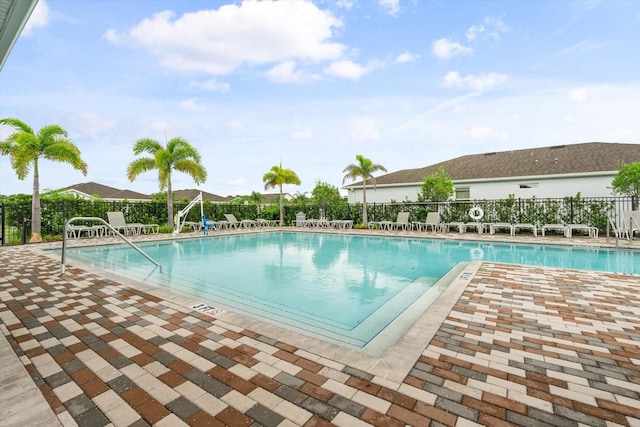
pixel 24 231
pixel 2 239
pixel 571 210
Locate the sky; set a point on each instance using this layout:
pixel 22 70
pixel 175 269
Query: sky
pixel 310 85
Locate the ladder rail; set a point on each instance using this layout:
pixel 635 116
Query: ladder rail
pixel 105 223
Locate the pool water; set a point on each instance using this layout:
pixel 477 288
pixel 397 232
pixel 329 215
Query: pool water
pixel 344 288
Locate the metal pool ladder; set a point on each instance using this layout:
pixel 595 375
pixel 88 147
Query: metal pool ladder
pixel 106 224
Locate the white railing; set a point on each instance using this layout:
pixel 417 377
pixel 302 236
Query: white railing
pixel 65 233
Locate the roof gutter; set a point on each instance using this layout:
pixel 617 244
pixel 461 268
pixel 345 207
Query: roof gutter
pixel 357 186
pixel 11 26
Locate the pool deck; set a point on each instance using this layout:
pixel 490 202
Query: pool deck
pixel 508 345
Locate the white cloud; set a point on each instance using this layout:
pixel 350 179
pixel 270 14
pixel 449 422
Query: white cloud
pixel 473 31
pixel 479 82
pixel 212 85
pixel 446 49
pixel 191 105
pixel 584 93
pixel 346 4
pixel 251 33
pixel 362 129
pixel 93 123
pixel 578 95
pixel 113 37
pixel 238 182
pixel 485 132
pixel 491 27
pixel 392 7
pixel 405 57
pixel 286 72
pixel 39 18
pixel 234 124
pixel 302 134
pixel 346 69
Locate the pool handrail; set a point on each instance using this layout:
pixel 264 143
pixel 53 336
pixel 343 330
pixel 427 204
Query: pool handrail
pixel 106 224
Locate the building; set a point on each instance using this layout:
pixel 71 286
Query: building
pixel 14 14
pixel 193 193
pixel 546 172
pixel 93 190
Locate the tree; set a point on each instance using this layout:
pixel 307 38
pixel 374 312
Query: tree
pixel 437 187
pixel 26 148
pixel 177 155
pixel 277 177
pixel 627 182
pixel 256 198
pixel 363 169
pixel 325 194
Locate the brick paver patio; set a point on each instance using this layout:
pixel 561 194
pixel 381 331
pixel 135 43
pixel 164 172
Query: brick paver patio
pixel 523 346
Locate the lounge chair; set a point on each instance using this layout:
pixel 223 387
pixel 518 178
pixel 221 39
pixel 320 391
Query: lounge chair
pixel 592 231
pixel 261 222
pixel 432 220
pixel 556 227
pixel 402 222
pixel 301 220
pixel 461 226
pixel 501 226
pixel 526 226
pixel 117 221
pixel 76 231
pixel 232 221
pixel 341 223
pixel 477 225
pixel 631 223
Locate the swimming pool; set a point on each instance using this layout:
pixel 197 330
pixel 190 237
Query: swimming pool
pixel 344 288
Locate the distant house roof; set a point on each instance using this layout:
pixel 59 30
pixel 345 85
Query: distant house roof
pixel 93 189
pixel 589 157
pixel 275 198
pixel 192 193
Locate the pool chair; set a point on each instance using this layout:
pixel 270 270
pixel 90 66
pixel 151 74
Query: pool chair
pixel 525 226
pixel 555 227
pixel 402 222
pixel 232 221
pixel 117 221
pixel 591 231
pixel 461 226
pixel 494 226
pixel 208 225
pixel 631 224
pixel 432 220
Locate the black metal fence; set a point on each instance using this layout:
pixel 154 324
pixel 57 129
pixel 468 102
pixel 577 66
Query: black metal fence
pixel 15 218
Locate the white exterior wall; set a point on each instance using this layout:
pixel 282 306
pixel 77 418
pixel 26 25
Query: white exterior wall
pixel 588 186
pixel 385 194
pixel 547 187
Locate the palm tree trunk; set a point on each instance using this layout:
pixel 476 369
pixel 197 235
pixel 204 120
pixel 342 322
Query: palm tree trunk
pixel 281 207
pixel 364 202
pixel 36 214
pixel 169 203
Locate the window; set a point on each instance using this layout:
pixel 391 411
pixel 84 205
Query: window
pixel 463 193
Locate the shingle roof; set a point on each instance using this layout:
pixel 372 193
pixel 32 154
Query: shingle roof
pixel 556 160
pixel 106 192
pixel 191 194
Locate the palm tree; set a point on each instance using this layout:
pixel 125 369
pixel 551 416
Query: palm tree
pixel 363 169
pixel 177 155
pixel 25 149
pixel 278 176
